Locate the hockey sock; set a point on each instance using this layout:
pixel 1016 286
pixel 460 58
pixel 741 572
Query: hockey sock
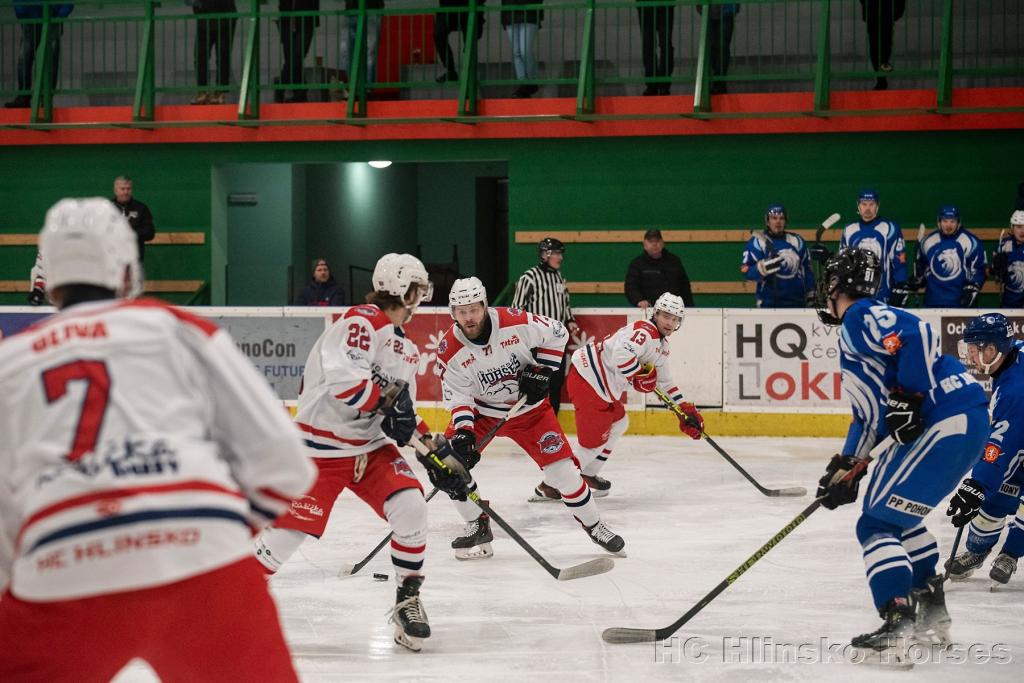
pixel 1014 546
pixel 984 532
pixel 467 509
pixel 923 552
pixel 593 459
pixel 406 512
pixel 274 546
pixel 886 561
pixel 564 476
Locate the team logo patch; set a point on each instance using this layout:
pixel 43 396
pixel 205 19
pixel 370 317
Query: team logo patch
pixel 992 453
pixel 442 347
pixel 892 343
pixel 108 508
pixel 305 508
pixel 402 468
pixel 744 269
pixel 550 442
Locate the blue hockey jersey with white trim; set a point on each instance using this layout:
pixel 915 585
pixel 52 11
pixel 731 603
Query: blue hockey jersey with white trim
pixel 949 263
pixel 1013 275
pixel 884 239
pixel 882 348
pixel 1004 452
pixel 788 287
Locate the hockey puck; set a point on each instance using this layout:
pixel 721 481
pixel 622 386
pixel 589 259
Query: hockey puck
pixel 380 577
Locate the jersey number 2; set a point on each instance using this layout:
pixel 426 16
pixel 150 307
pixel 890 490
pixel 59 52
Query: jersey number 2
pixel 94 405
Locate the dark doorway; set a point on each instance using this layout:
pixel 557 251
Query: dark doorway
pixel 492 234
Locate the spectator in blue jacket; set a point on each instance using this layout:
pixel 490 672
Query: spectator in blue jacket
pixel 30 13
pixel 720 25
pixel 323 289
pixel 950 263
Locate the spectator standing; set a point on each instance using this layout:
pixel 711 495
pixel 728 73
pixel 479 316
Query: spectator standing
pixel 372 33
pixel 137 213
pixel 880 16
pixel 296 35
pixel 30 13
pixel 323 289
pixel 884 239
pixel 778 262
pixel 542 290
pixel 449 22
pixel 950 264
pixel 656 46
pixel 720 26
pixel 521 27
pixel 655 272
pixel 1008 263
pixel 213 34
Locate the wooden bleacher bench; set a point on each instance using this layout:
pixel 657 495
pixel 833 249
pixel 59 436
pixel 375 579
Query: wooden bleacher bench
pixel 151 286
pixel 24 239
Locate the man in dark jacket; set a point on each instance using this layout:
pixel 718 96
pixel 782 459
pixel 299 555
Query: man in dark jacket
pixel 449 22
pixel 296 35
pixel 31 36
pixel 323 289
pixel 136 212
pixel 655 272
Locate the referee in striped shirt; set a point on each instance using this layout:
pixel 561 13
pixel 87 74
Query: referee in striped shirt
pixel 542 290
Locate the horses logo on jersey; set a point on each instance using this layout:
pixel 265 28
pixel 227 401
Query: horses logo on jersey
pixel 550 443
pixel 502 378
pixel 305 508
pixel 401 468
pixel 1015 277
pixel 945 265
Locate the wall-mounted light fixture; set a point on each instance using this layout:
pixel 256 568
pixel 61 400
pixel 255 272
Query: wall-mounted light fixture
pixel 379 164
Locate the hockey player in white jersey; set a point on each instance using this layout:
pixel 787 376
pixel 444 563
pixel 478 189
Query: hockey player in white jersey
pixel 487 360
pixel 139 450
pixel 356 403
pixel 602 370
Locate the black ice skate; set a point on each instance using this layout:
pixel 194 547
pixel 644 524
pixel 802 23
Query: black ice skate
pixel 606 538
pixel 964 564
pixel 545 494
pixel 932 622
pixel 598 485
pixel 476 543
pixel 408 615
pixel 888 645
pixel 1003 568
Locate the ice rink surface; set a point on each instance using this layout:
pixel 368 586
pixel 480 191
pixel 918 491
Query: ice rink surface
pixel 689 519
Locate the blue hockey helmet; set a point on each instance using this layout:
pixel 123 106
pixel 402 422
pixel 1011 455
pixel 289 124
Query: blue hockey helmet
pixel 775 210
pixel 990 328
pixel 868 195
pixel 949 211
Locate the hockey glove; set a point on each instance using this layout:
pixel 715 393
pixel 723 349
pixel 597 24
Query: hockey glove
pixel 534 383
pixel 769 266
pixel 400 418
pixel 819 252
pixel 837 487
pixel 463 443
pixel 1000 262
pixel 444 469
pixel 36 297
pixel 690 422
pixel 966 503
pixel 969 296
pixel 903 416
pixel 916 284
pixel 899 295
pixel 646 380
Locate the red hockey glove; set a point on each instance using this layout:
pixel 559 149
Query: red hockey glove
pixel 690 422
pixel 645 380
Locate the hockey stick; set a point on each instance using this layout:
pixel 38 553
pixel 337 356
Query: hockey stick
pixel 918 276
pixel 791 491
pixel 644 635
pixel 348 570
pixel 956 546
pixel 588 568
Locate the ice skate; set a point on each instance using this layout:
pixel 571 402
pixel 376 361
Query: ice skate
pixel 888 644
pixel 606 538
pixel 545 494
pixel 1002 569
pixel 598 485
pixel 475 544
pixel 931 621
pixel 408 615
pixel 964 564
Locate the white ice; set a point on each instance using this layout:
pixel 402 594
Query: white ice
pixel 689 519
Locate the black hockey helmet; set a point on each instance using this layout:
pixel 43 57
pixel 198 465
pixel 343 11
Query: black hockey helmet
pixel 851 271
pixel 549 245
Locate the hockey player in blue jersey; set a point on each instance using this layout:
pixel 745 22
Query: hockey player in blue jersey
pixel 884 239
pixel 900 386
pixel 993 491
pixel 777 261
pixel 950 263
pixel 1008 263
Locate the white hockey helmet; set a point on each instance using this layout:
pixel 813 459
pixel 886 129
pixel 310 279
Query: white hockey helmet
pixel 1017 218
pixel 671 304
pixel 394 274
pixel 467 290
pixel 89 242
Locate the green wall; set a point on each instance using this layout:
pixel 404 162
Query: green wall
pixel 623 183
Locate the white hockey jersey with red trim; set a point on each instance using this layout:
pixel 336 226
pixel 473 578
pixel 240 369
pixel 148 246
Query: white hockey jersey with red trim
pixel 483 376
pixel 357 356
pixel 139 448
pixel 609 365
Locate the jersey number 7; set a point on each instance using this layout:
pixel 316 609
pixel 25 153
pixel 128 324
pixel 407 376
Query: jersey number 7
pixel 94 405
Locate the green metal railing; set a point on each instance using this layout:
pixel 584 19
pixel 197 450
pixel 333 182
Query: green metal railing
pixel 142 52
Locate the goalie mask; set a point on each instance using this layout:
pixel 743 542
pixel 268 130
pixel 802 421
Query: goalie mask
pixel 404 276
pixel 671 304
pixel 851 271
pixel 89 242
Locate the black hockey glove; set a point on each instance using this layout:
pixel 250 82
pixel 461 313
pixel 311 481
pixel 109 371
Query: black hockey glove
pixel 534 383
pixel 819 252
pixel 1000 262
pixel 966 502
pixel 400 418
pixel 444 469
pixel 834 488
pixel 36 297
pixel 916 284
pixel 969 296
pixel 463 443
pixel 769 266
pixel 903 416
pixel 899 294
